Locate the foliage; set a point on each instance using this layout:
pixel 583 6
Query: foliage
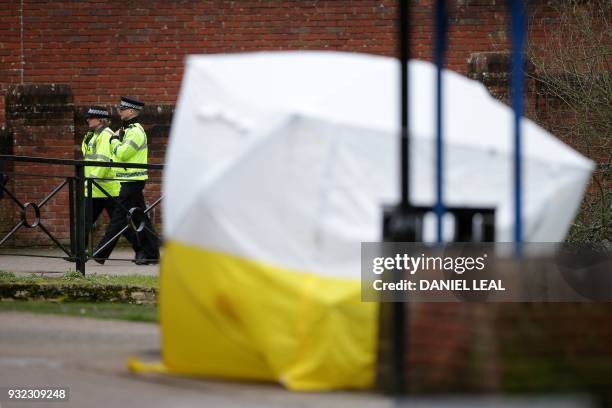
pixel 573 80
pixel 74 277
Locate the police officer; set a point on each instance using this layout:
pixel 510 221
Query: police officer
pixel 129 145
pixel 96 147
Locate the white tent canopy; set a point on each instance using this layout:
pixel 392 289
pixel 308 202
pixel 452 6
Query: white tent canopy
pixel 289 157
pixel 278 167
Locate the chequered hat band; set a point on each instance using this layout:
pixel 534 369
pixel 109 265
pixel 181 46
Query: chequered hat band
pixel 125 104
pixel 97 112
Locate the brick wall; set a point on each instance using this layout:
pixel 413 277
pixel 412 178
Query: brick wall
pixel 43 121
pixel 510 347
pixel 10 49
pixel 105 49
pixel 40 119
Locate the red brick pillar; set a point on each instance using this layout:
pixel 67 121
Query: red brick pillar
pixel 452 348
pixel 493 70
pixel 41 118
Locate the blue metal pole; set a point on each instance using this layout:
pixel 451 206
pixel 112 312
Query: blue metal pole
pixel 404 46
pixel 518 63
pixel 440 48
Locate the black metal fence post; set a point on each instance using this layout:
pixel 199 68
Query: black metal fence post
pixel 80 254
pixel 80 210
pixel 71 209
pixel 401 224
pixel 89 217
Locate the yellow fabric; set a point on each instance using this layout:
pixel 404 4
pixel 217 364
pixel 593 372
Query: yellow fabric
pixel 96 147
pixel 137 366
pixel 226 316
pixel 133 150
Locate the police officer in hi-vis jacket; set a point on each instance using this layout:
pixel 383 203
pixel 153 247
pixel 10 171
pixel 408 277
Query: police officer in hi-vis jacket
pixel 96 147
pixel 129 145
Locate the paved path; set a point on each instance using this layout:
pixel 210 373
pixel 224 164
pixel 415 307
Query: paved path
pixel 89 356
pixel 53 267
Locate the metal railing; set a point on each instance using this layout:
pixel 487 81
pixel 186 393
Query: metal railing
pixel 79 222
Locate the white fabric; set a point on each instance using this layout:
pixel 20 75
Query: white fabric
pixel 289 157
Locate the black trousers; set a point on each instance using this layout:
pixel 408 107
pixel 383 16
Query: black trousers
pixel 145 241
pixel 93 209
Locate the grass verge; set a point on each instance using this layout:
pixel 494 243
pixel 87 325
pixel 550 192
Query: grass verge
pixel 73 277
pixel 120 311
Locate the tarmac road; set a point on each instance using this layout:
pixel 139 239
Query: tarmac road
pixel 89 356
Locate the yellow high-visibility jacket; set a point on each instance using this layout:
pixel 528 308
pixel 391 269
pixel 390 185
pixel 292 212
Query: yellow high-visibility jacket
pixel 131 149
pixel 96 147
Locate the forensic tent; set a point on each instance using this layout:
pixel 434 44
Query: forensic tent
pixel 278 167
